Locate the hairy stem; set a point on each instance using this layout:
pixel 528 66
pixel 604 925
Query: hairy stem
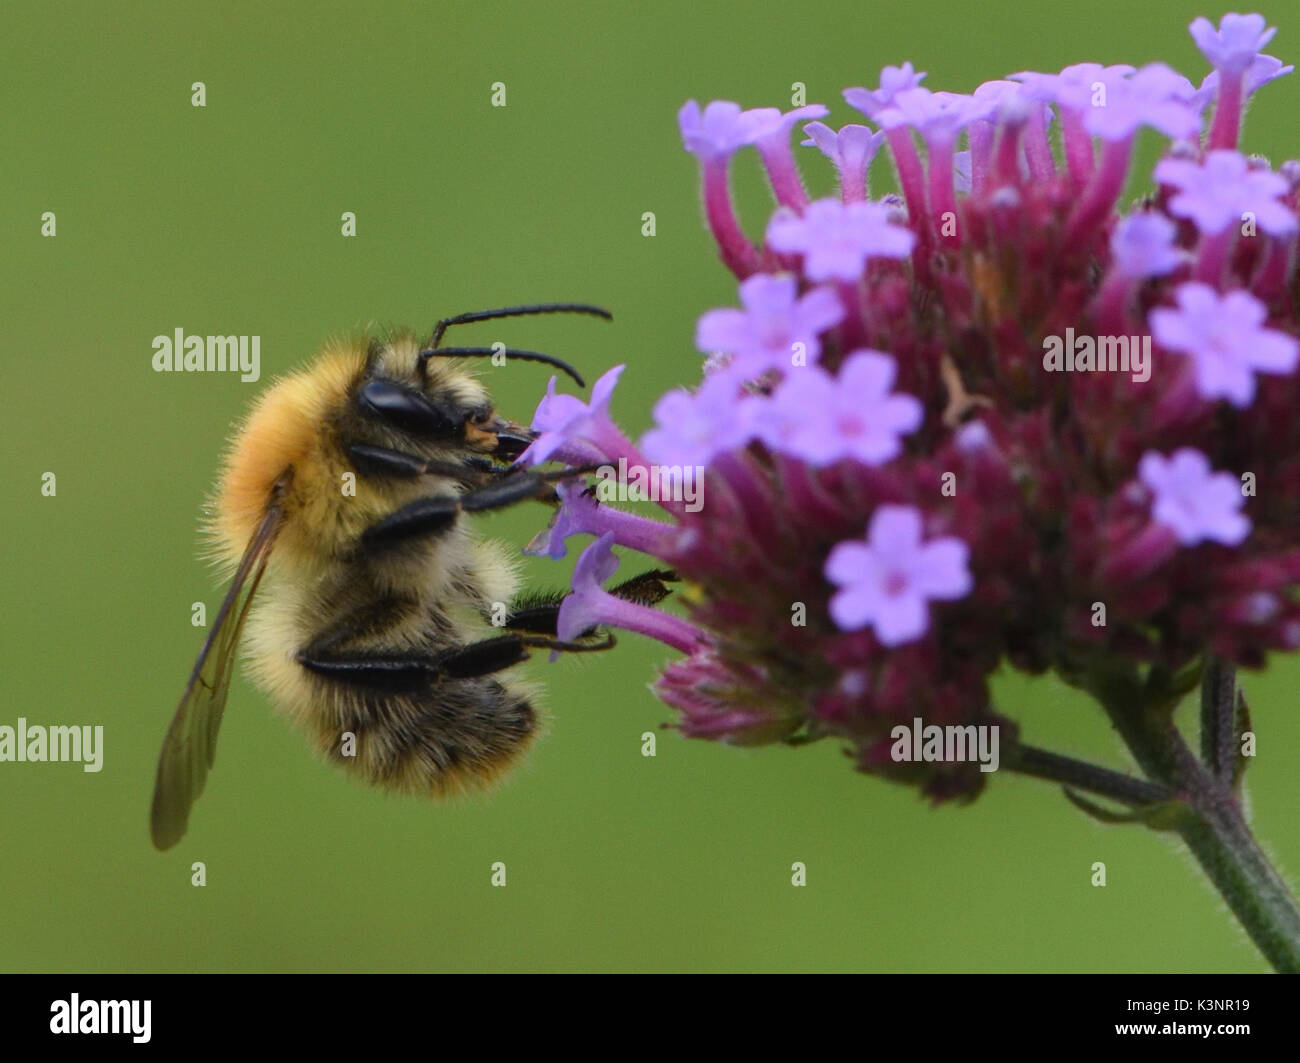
pixel 1218 717
pixel 1042 764
pixel 1210 820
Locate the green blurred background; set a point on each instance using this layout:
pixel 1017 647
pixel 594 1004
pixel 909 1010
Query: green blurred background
pixel 226 220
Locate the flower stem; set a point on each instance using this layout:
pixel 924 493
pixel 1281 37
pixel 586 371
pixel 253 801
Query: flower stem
pixel 1210 818
pixel 1042 764
pixel 1218 717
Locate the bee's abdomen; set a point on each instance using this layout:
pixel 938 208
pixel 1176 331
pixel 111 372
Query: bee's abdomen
pixel 366 688
pixel 457 734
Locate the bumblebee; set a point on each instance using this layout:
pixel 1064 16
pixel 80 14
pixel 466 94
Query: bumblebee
pixel 384 627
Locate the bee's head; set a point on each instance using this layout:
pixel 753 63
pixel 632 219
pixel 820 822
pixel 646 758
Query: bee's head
pixel 426 404
pixel 420 393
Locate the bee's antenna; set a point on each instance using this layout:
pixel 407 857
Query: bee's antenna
pixel 516 311
pixel 504 352
pixel 433 350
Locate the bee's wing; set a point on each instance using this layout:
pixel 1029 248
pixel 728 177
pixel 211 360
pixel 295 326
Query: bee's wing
pixel 191 742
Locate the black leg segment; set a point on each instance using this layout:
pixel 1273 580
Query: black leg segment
pixel 428 517
pixel 397 464
pixel 414 673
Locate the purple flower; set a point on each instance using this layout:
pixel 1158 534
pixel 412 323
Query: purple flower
pixel 1154 96
pixel 781 127
pixel 581 610
pixel 1144 245
pixel 591 605
pixel 1193 502
pixel 1264 69
pixel 580 513
pixel 775 318
pixel 1073 87
pixel 837 238
pixel 1225 338
pixel 853 147
pixel 937 116
pixel 576 515
pixel 869 557
pixel 888 581
pixel 778 158
pixel 1234 45
pixel 823 419
pixel 1218 192
pixel 566 419
pixel 722 127
pixel 893 80
pixel 691 429
pixel 1009 102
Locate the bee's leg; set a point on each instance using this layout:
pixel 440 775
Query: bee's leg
pixel 432 516
pixel 494 654
pixel 398 465
pixel 414 672
pixel 388 673
pixel 539 612
pixel 647 588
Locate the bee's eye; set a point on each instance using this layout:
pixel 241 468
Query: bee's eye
pixel 408 410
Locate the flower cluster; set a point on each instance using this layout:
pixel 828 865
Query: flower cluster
pixel 1002 416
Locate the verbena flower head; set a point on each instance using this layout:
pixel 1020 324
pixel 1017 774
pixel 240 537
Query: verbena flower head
pixel 1005 417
